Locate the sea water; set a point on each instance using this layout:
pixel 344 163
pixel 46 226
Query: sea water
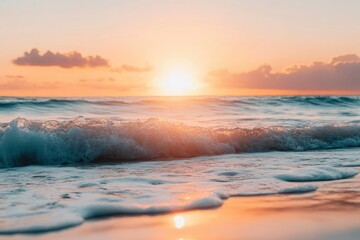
pixel 64 161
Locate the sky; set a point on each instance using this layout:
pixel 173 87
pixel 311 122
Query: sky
pixel 168 47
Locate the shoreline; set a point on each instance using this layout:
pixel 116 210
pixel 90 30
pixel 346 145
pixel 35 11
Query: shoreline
pixel 330 213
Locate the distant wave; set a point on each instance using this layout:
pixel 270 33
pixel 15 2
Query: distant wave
pixel 335 101
pixel 35 102
pixel 31 102
pixel 324 100
pixel 24 142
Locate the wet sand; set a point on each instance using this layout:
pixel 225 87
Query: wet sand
pixel 332 213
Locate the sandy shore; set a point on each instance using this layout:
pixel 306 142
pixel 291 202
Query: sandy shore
pixel 326 214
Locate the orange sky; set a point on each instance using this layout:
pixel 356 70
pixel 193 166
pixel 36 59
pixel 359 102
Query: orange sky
pixel 140 42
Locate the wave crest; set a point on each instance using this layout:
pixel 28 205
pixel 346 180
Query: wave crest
pixel 25 142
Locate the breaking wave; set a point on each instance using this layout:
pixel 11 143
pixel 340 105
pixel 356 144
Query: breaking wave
pixel 25 142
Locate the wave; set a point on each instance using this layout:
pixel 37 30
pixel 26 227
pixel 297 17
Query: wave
pixel 25 142
pixel 31 102
pixel 336 101
pixel 323 100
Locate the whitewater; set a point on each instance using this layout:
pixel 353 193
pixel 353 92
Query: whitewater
pixel 64 161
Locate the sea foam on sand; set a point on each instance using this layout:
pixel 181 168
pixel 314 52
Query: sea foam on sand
pixel 323 173
pixel 38 199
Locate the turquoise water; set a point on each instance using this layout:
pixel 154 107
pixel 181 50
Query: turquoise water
pixel 65 161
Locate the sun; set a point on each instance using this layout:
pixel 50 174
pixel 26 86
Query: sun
pixel 177 82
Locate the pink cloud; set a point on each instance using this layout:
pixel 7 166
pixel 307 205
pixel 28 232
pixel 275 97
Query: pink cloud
pixel 129 68
pixel 64 60
pixel 342 73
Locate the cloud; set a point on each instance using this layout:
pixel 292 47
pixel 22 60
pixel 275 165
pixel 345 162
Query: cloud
pixel 14 76
pixel 129 68
pixel 97 80
pixel 15 84
pixel 342 73
pixel 349 58
pixel 20 83
pixel 64 60
pixel 109 84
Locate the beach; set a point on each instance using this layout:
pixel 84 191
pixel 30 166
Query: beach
pixel 205 168
pixel 332 213
pixel 179 120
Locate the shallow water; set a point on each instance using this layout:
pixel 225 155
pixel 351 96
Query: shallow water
pixel 198 151
pixel 321 215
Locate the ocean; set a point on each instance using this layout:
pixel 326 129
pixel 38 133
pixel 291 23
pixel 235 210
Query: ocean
pixel 64 161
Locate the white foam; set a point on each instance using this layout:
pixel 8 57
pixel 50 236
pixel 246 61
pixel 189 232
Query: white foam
pixel 299 189
pixel 325 173
pixel 39 199
pixel 24 142
pixel 45 222
pixel 348 164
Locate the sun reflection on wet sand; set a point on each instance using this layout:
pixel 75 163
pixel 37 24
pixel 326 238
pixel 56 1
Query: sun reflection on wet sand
pixel 179 221
pixel 320 215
